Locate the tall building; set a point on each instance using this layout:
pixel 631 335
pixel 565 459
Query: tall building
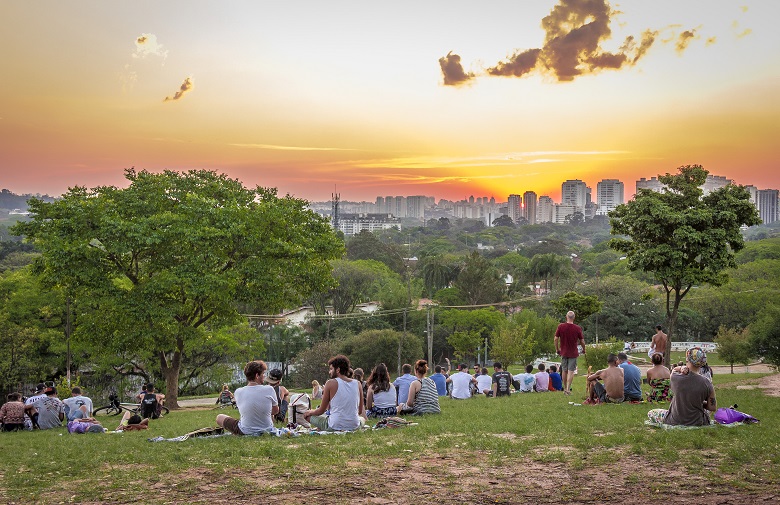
pixel 652 184
pixel 415 206
pixel 529 207
pixel 544 210
pixel 574 193
pixel 768 205
pixel 609 194
pixel 515 207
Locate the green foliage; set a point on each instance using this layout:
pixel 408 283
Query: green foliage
pixel 150 264
pixel 437 272
pixel 513 342
pixel 367 246
pixel 543 330
pixel 583 306
pixel 596 354
pixel 734 346
pixel 683 238
pixel 312 364
pixel 468 328
pixel 479 281
pixel 368 348
pixel 765 334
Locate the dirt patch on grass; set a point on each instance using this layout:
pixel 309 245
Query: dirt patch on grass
pixel 479 478
pixel 771 385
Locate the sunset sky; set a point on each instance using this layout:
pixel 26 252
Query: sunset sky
pixel 440 98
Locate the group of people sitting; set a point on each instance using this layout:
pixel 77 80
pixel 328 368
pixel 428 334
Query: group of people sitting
pixel 44 410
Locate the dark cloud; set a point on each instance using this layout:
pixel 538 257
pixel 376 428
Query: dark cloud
pixel 185 87
pixel 141 40
pixel 452 70
pixel 518 64
pixel 684 39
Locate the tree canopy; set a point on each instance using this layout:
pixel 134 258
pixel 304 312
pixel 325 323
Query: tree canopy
pixel 150 264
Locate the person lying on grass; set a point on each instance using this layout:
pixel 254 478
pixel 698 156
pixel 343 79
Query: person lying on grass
pixel 132 422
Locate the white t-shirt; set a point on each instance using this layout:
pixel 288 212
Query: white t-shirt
pixel 75 402
pixel 460 385
pixel 254 404
pixel 526 381
pixel 484 382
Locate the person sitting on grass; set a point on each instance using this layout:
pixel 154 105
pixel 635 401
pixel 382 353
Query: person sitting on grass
pixel 380 398
pixel 256 402
pixel 693 395
pixel 316 390
pixel 423 397
pixel 658 379
pixel 226 397
pixel 343 396
pixel 274 380
pixel 612 389
pixel 556 382
pixel 484 383
pixel 502 381
pixel 632 379
pixel 12 413
pixel 151 403
pixel 542 379
pixel 132 422
pixel 461 383
pixel 525 382
pixel 77 406
pixel 403 382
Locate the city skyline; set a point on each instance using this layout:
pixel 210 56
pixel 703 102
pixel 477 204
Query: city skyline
pixel 441 98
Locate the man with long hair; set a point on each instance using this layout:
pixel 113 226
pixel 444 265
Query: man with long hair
pixel 343 396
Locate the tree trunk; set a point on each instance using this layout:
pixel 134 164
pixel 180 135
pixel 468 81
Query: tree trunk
pixel 170 370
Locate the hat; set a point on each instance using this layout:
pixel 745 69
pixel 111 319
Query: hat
pixel 40 387
pixel 696 356
pixel 95 428
pixel 51 390
pixel 274 377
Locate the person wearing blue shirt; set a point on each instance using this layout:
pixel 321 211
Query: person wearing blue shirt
pixel 632 379
pixel 440 379
pixel 403 382
pixel 555 378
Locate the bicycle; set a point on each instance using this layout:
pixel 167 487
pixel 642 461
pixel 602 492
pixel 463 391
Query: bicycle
pixel 115 407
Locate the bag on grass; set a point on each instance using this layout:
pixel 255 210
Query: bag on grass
pixel 730 416
pixel 299 404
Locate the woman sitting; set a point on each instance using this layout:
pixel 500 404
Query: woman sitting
pixel 658 379
pixel 381 398
pixel 226 397
pixel 423 397
pixel 316 390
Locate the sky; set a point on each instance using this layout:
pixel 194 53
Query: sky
pixel 438 98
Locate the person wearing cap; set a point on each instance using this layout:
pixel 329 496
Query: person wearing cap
pixel 694 396
pixel 461 383
pixel 274 379
pixel 256 403
pixel 77 406
pixel 51 411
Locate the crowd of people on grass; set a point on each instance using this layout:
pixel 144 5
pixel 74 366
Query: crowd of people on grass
pixel 44 410
pixel 348 399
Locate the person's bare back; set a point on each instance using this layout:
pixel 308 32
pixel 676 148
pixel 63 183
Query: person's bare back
pixel 612 377
pixel 658 342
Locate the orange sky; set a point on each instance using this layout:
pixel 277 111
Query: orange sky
pixel 312 95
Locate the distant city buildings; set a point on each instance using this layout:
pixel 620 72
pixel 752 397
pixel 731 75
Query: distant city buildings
pixel 576 197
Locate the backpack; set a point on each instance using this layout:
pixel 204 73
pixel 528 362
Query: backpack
pixel 729 416
pixel 282 406
pixel 149 406
pixel 299 404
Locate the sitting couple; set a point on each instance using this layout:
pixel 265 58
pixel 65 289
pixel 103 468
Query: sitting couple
pixel 422 398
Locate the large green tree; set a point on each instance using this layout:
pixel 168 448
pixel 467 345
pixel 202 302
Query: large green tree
pixel 479 281
pixel 683 238
pixel 152 263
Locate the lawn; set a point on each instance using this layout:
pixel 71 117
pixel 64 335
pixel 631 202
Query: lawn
pixel 526 448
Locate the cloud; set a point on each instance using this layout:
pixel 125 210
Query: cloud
pixel 684 39
pixel 291 148
pixel 185 87
pixel 711 41
pixel 146 45
pixel 453 72
pixel 517 65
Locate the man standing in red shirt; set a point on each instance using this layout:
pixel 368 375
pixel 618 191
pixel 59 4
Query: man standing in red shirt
pixel 567 336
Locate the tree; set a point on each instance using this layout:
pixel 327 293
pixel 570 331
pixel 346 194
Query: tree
pixel 366 246
pixel 504 220
pixel 734 346
pixel 765 334
pixel 513 342
pixel 479 281
pixel 683 238
pixel 583 306
pixel 368 348
pixel 469 328
pixel 152 263
pixel 437 272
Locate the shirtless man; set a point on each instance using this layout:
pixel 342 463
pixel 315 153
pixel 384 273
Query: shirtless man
pixel 612 390
pixel 658 343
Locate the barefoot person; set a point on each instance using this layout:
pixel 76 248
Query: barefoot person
pixel 567 336
pixel 612 389
pixel 256 404
pixel 658 342
pixel 694 396
pixel 342 396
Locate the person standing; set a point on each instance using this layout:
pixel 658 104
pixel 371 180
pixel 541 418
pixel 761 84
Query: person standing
pixel 658 343
pixel 567 337
pixel 501 381
pixel 341 395
pixel 461 383
pixel 256 403
pixel 632 379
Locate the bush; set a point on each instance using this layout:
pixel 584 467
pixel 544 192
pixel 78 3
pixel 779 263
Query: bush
pixel 596 355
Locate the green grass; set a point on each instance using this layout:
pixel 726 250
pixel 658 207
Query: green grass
pixel 543 429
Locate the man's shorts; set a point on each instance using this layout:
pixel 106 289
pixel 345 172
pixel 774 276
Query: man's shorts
pixel 231 424
pixel 569 364
pixel 601 394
